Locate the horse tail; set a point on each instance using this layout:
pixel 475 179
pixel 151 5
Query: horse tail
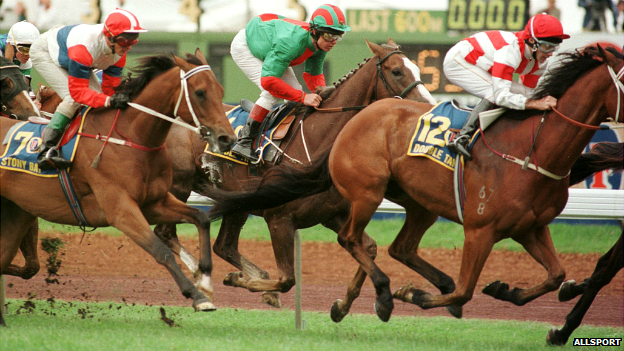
pixel 604 155
pixel 279 185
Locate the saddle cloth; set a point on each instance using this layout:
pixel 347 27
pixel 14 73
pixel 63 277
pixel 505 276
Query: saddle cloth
pixel 24 139
pixel 433 131
pixel 274 128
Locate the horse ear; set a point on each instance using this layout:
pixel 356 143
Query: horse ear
pixel 374 48
pixel 200 56
pixel 392 43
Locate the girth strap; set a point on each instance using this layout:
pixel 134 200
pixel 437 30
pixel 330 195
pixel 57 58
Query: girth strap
pixel 72 199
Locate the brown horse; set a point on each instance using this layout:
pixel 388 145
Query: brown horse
pixel 502 200
pixel 605 155
pixel 388 73
pixel 128 189
pixel 15 101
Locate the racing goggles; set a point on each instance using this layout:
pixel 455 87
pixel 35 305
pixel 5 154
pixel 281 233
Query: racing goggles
pixel 545 46
pixel 332 37
pixel 125 41
pixel 24 50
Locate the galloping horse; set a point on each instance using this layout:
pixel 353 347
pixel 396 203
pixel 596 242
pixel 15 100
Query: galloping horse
pixel 388 73
pixel 605 155
pixel 128 189
pixel 502 198
pixel 15 102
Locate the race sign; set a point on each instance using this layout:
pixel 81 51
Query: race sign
pixel 482 15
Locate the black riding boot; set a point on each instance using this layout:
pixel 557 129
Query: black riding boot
pixel 459 143
pixel 244 145
pixel 49 157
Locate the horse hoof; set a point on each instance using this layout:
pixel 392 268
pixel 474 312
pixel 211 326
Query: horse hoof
pixel 553 339
pixel 405 293
pixel 384 310
pixel 565 291
pixel 204 305
pixel 455 310
pixel 337 314
pixel 496 289
pixel 272 299
pixel 232 278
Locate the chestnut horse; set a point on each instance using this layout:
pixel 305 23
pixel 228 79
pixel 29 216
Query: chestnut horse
pixel 128 189
pixel 605 155
pixel 388 73
pixel 502 198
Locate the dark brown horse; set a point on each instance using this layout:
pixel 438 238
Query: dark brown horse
pixel 15 102
pixel 502 200
pixel 605 155
pixel 128 189
pixel 388 73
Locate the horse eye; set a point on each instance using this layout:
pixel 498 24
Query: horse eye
pixel 201 94
pixel 396 72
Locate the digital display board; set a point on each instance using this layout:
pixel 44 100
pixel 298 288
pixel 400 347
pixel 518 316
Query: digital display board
pixel 482 15
pixel 429 58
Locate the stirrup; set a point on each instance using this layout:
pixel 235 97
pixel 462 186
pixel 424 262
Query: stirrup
pixel 458 145
pixel 246 153
pixel 51 160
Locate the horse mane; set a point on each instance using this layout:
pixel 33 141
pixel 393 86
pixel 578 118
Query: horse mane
pixel 352 72
pixel 149 68
pixel 45 93
pixel 572 66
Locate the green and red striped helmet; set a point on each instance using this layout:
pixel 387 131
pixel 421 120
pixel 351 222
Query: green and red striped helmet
pixel 330 17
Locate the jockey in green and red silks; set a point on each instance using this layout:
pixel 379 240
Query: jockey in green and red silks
pixel 267 48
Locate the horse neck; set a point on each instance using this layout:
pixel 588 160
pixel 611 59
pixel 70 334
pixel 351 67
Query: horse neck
pixel 356 90
pixel 159 95
pixel 584 102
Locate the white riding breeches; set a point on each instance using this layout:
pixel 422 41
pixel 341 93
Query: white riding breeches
pixel 56 76
pixel 252 67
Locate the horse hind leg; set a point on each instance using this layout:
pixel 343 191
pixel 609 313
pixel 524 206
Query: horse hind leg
pixel 606 268
pixel 168 234
pixel 539 245
pixel 405 250
pixel 28 247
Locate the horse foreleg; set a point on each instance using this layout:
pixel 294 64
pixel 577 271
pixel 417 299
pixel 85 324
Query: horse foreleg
pixel 168 234
pixel 606 268
pixel 126 216
pixel 404 249
pixel 172 211
pixel 28 247
pixel 539 245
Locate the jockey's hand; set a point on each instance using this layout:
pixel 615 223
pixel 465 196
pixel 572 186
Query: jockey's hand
pixel 545 103
pixel 119 101
pixel 326 91
pixel 312 100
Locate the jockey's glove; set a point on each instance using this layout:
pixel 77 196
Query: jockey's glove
pixel 119 100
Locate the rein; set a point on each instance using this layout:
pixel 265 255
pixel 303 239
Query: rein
pixel 380 74
pixel 619 87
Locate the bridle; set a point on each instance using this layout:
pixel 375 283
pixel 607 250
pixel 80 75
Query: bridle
pixel 12 73
pixel 200 129
pixel 387 85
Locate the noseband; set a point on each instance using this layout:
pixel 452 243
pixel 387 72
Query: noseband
pixel 203 131
pixel 387 85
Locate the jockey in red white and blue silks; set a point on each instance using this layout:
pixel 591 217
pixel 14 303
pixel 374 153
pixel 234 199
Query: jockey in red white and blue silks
pixel 267 48
pixel 485 63
pixel 66 58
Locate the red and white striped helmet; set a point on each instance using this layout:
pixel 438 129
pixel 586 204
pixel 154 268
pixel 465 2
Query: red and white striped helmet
pixel 122 21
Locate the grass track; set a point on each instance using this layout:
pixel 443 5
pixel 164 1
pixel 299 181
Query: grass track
pixel 81 326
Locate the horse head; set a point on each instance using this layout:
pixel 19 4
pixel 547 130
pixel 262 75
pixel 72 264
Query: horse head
pixel 397 74
pixel 16 102
pixel 204 97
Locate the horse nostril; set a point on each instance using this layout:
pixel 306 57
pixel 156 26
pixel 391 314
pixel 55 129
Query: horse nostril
pixel 225 142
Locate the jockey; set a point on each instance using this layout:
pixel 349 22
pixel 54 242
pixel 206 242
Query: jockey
pixel 15 46
pixel 266 49
pixel 66 58
pixel 484 64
